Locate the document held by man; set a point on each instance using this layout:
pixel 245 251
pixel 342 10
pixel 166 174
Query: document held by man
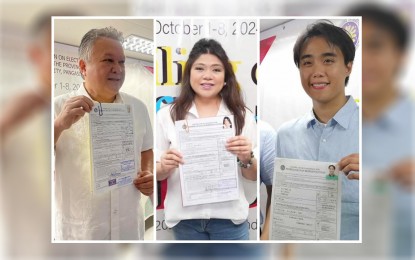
pixel 306 200
pixel 113 150
pixel 209 173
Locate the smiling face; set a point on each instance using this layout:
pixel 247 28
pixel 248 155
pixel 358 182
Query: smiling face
pixel 323 72
pixel 207 76
pixel 331 170
pixel 227 123
pixel 104 72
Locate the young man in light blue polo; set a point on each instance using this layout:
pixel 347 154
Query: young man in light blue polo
pixel 324 55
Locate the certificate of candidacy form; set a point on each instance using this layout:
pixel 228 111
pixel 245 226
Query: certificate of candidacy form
pixel 306 200
pixel 113 152
pixel 209 173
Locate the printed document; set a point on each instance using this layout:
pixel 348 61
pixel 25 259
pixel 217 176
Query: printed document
pixel 306 200
pixel 113 149
pixel 209 173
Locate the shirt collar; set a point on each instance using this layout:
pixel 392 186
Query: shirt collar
pixel 223 109
pixel 310 119
pixel 82 91
pixel 342 117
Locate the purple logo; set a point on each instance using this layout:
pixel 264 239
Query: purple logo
pixel 352 28
pixel 112 182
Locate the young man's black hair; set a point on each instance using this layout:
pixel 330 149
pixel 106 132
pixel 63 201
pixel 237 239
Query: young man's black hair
pixel 334 35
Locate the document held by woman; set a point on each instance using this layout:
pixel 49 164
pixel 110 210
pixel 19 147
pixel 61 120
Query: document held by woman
pixel 209 173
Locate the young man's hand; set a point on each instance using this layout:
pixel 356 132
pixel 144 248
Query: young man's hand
pixel 350 166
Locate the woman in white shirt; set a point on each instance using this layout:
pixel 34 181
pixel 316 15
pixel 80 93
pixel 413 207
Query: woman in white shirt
pixel 209 88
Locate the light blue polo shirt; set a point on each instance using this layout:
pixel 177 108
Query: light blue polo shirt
pixel 386 142
pixel 267 138
pixel 306 138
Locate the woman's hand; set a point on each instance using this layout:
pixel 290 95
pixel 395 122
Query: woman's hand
pixel 241 147
pixel 169 161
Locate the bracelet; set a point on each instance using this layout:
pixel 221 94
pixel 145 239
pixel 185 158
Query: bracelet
pixel 249 164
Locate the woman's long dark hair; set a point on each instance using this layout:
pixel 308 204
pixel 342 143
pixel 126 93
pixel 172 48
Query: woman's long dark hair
pixel 230 93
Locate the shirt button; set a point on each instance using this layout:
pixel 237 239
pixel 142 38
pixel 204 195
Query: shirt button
pixel 324 140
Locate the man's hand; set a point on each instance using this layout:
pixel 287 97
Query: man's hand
pixel 350 163
pixel 403 173
pixel 144 183
pixel 73 109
